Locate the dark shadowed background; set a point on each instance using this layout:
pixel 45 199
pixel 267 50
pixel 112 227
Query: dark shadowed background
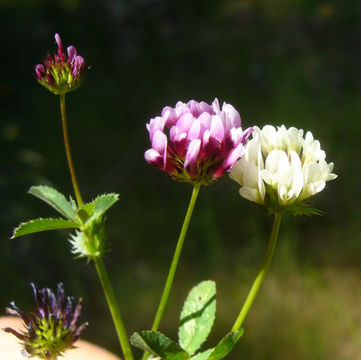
pixel 277 62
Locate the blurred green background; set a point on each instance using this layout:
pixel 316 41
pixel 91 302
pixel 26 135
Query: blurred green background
pixel 278 62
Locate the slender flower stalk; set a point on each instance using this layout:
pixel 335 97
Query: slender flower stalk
pixel 61 73
pixel 114 308
pixel 68 150
pixel 262 273
pixel 198 143
pixel 173 267
pixel 174 264
pixel 98 261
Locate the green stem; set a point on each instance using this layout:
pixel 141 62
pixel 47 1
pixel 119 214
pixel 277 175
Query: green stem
pixel 114 308
pixel 68 151
pixel 174 264
pixel 259 279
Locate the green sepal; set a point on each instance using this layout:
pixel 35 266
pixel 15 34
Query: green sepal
pixel 159 345
pixel 302 208
pixel 90 242
pixel 197 316
pixel 226 345
pixel 38 225
pixel 298 208
pixel 56 200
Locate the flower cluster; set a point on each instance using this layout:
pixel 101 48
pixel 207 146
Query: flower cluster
pixel 51 328
pixel 281 165
pixel 196 142
pixel 62 72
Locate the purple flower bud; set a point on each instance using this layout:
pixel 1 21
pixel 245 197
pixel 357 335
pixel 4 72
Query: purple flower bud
pixel 61 72
pixel 196 142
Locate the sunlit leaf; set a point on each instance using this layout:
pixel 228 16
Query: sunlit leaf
pixel 197 316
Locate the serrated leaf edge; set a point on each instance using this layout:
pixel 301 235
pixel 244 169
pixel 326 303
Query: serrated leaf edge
pixel 75 225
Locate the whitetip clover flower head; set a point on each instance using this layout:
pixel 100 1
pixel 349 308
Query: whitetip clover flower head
pixel 62 72
pixel 196 142
pixel 52 327
pixel 281 168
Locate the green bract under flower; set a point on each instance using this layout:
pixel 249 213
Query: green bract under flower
pixel 280 168
pixel 52 327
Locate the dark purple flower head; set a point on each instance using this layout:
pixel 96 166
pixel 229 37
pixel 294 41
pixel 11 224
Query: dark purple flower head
pixel 62 72
pixel 52 327
pixel 196 142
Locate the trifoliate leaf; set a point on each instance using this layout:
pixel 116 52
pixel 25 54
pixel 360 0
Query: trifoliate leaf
pixel 55 199
pixel 37 225
pixel 159 345
pixel 197 317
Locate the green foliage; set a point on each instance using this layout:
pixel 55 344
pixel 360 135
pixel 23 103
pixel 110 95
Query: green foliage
pixel 101 205
pixel 196 321
pixel 56 200
pixel 226 345
pixel 38 225
pixel 197 316
pixel 159 345
pixel 89 220
pixel 202 355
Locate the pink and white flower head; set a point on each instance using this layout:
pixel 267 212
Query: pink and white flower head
pixel 62 72
pixel 281 168
pixel 196 142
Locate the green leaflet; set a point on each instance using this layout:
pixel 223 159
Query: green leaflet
pixel 159 345
pixel 38 225
pixel 86 211
pixel 101 205
pixel 222 349
pixel 197 316
pixel 225 346
pixel 202 355
pixel 55 199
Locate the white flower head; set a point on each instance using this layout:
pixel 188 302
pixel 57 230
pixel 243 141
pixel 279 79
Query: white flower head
pixel 280 167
